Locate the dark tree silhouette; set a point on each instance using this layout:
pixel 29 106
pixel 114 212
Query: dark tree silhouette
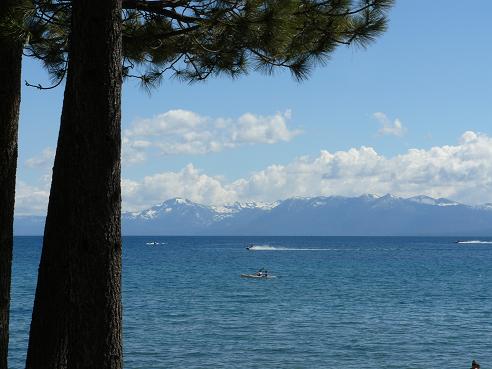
pixel 10 73
pixel 77 313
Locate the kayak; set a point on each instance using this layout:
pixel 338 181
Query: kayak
pixel 256 276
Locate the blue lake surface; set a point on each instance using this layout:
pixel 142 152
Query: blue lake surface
pixel 351 302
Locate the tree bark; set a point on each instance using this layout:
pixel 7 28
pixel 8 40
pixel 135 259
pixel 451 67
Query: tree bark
pixel 10 75
pixel 76 319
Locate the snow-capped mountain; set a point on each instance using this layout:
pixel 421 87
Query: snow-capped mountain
pixel 334 215
pixel 176 216
pixel 431 201
pixel 313 216
pixel 183 217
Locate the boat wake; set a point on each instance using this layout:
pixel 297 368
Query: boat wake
pixel 279 248
pixel 474 242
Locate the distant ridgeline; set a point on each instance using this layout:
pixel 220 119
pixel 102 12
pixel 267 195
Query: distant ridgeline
pixel 367 215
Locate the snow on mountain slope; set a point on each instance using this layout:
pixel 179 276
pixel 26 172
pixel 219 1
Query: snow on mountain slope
pixel 322 215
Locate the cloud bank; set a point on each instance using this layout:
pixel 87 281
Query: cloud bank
pixel 44 160
pixel 31 199
pixel 462 172
pixel 185 132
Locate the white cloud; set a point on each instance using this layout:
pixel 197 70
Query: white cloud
pixel 132 152
pixel 387 128
pixel 462 172
pixel 31 199
pixel 188 182
pixel 185 132
pixel 251 128
pixel 44 160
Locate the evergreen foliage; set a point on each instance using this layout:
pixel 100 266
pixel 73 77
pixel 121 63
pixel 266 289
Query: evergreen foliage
pixel 192 40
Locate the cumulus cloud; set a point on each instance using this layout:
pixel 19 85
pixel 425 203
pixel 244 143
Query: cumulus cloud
pixel 189 182
pixel 133 152
pixel 31 200
pixel 43 160
pixel 185 132
pixel 462 172
pixel 389 128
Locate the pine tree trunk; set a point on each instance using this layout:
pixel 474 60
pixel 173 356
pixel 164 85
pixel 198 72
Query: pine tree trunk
pixel 10 75
pixel 77 311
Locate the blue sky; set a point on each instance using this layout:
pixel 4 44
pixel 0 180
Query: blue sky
pixel 345 131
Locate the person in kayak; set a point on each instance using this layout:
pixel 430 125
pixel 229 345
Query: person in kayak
pixel 262 273
pixel 475 365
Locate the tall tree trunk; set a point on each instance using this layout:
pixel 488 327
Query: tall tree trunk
pixel 77 311
pixel 10 74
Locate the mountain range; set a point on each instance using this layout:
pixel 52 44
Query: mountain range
pixel 366 215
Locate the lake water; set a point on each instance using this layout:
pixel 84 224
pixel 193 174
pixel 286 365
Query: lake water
pixel 351 302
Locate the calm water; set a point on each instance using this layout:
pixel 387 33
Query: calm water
pixel 343 302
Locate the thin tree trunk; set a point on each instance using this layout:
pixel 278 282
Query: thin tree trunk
pixel 77 312
pixel 10 74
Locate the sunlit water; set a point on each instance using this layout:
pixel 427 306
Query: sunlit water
pixel 336 302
